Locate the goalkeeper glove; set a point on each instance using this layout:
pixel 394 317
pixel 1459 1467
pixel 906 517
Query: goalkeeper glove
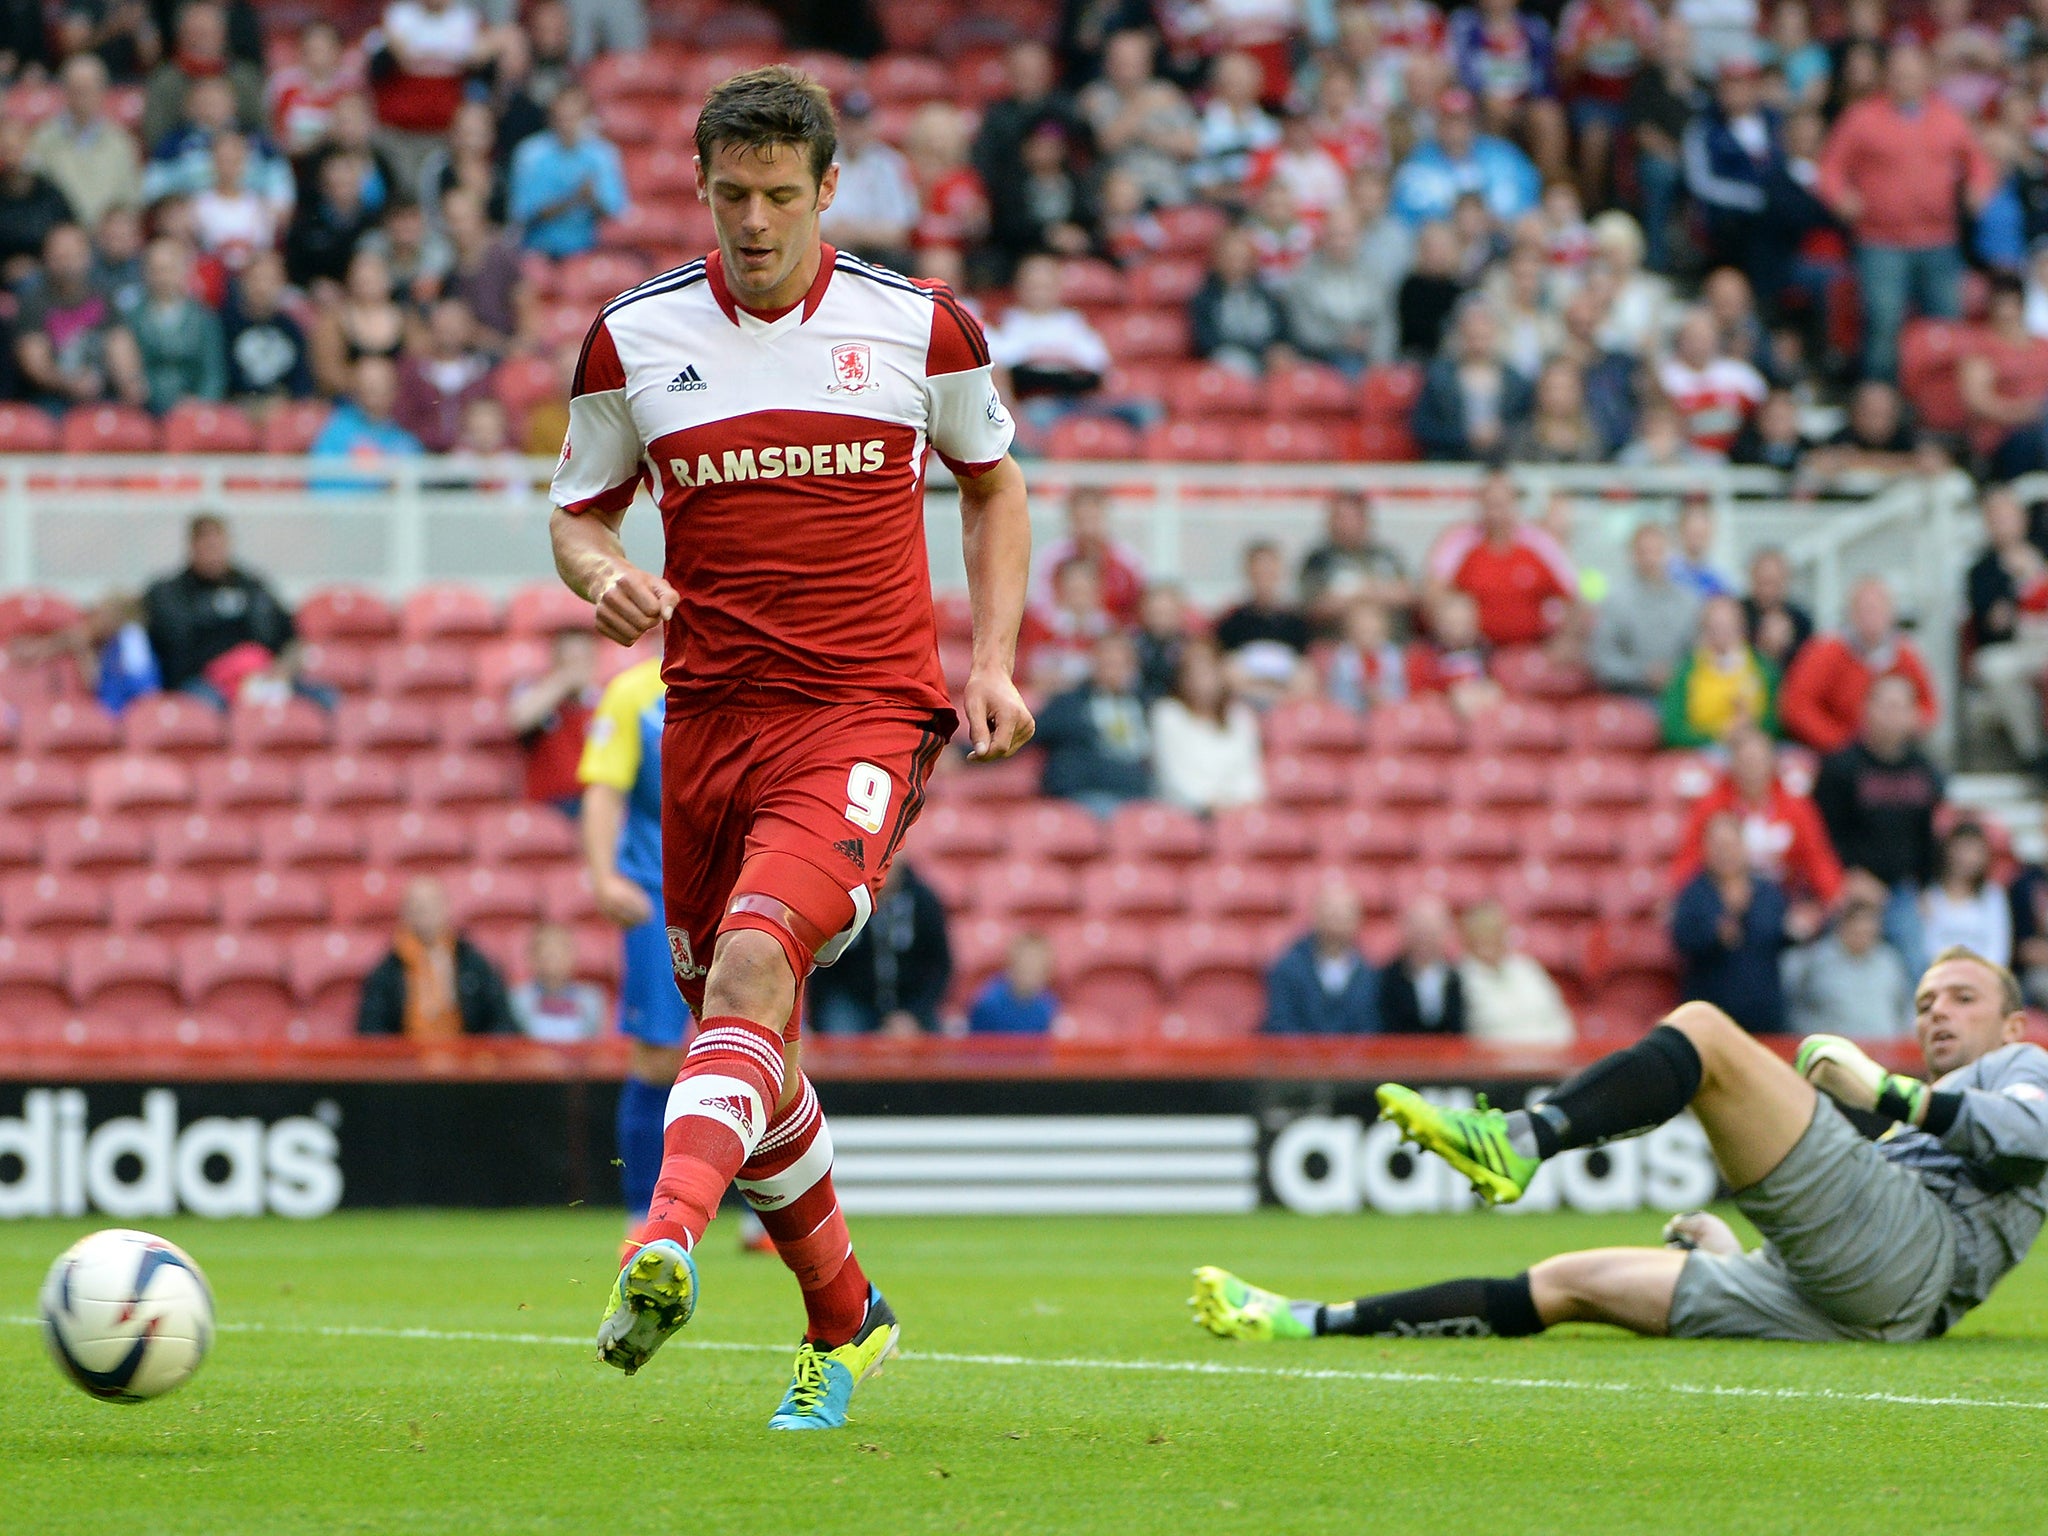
pixel 1840 1069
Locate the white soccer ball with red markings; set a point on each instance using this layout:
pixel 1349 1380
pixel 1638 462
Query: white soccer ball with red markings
pixel 127 1315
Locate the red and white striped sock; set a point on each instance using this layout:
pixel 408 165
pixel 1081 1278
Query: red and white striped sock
pixel 718 1112
pixel 788 1182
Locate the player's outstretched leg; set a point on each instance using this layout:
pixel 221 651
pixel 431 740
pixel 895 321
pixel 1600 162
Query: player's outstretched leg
pixel 849 1329
pixel 1231 1308
pixel 717 1113
pixel 1624 1094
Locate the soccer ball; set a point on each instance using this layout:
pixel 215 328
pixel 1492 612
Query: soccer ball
pixel 128 1316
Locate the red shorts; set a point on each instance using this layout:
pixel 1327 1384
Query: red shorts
pixel 784 820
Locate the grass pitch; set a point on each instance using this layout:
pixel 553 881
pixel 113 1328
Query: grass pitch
pixel 1046 1388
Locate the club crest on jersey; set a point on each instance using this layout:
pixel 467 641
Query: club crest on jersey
pixel 853 369
pixel 687 968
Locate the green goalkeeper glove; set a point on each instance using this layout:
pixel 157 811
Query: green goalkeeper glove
pixel 1840 1069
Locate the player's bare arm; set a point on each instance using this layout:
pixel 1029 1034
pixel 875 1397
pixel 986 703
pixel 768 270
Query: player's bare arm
pixel 619 899
pixel 593 563
pixel 996 536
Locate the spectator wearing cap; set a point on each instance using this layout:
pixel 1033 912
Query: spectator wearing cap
pixel 564 180
pixel 1236 318
pixel 199 52
pixel 179 339
pixel 1510 999
pixel 876 206
pixel 1119 569
pixel 1519 575
pixel 1470 401
pixel 1047 356
pixel 1849 981
pixel 1461 159
pixel 266 350
pixel 1729 928
pixel 1782 830
pixel 69 342
pixel 1823 700
pixel 1323 984
pixel 1647 621
pixel 1047 205
pixel 1720 684
pixel 1234 127
pixel 1896 168
pixel 82 150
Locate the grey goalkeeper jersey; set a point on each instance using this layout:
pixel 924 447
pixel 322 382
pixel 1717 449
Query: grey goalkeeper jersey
pixel 1990 1168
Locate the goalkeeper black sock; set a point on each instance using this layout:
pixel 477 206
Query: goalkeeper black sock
pixel 1632 1091
pixel 1452 1309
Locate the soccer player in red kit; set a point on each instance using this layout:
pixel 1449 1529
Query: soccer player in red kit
pixel 778 397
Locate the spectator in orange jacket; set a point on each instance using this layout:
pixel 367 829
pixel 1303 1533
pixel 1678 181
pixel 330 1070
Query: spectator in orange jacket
pixel 1821 703
pixel 1781 828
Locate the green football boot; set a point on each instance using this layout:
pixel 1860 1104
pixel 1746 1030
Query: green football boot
pixel 1232 1309
pixel 1473 1141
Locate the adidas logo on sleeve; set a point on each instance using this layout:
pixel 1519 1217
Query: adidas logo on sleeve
pixel 688 379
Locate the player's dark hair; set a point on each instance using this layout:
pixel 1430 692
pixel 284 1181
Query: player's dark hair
pixel 2010 1000
pixel 764 109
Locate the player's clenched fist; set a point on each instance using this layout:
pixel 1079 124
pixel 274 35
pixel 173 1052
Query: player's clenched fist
pixel 631 603
pixel 998 720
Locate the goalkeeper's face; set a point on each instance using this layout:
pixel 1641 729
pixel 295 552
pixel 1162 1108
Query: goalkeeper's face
pixel 1959 1014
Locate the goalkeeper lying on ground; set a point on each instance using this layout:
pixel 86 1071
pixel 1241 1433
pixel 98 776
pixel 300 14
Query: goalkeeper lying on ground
pixel 1889 1240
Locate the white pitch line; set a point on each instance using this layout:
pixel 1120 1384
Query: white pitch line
pixel 1178 1367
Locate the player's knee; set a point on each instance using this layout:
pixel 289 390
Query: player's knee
pixel 1707 1027
pixel 750 978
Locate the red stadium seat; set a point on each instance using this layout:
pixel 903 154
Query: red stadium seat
pixel 1378 834
pixel 108 429
pixel 385 725
pixel 237 977
pixel 1012 779
pixel 94 842
pixel 545 607
pixel 346 666
pixel 1388 393
pixel 1227 890
pixel 137 781
pixel 1192 228
pixel 1614 725
pixel 1181 441
pixel 661 172
pixel 344 780
pixel 32 993
pixel 1146 831
pixel 1628 894
pixel 173 723
pixel 133 974
pixel 566 897
pixel 1216 974
pixel 1210 389
pixel 1135 334
pixel 292 427
pixel 1470 833
pixel 21 845
pixel 524 834
pixel 493 895
pixel 1518 725
pixel 1679 778
pixel 68 727
pixel 438 668
pixel 307 840
pixel 629 121
pixel 345 613
pixel 1108 972
pixel 1399 781
pixel 326 970
pixel 418 841
pixel 909 77
pixel 1093 438
pixel 35 612
pixel 1029 888
pixel 365 898
pixel 170 902
pixel 1612 782
pixel 1382 442
pixel 1165 283
pixel 1426 724
pixel 956 832
pixel 981 947
pixel 479 721
pixel 522 382
pixel 1055 829
pixel 53 899
pixel 447 609
pixel 1530 672
pixel 1312 725
pixel 459 778
pixel 1307 390
pixel 1085 281
pixel 272 900
pixel 1460 885
pixel 1536 889
pixel 200 426
pixel 1570 836
pixel 240 781
pixel 1304 782
pixel 1255 832
pixel 1287 442
pixel 1128 888
pixel 1498 781
pixel 292 728
pixel 197 840
pixel 38 784
pixel 598 277
pixel 27 429
pixel 1654 834
pixel 611 76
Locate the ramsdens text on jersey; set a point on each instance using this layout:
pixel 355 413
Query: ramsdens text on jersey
pixel 776 463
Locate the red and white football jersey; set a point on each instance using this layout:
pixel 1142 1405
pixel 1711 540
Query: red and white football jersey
pixel 787 453
pixel 1713 401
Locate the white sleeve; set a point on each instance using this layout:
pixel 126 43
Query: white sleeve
pixel 970 427
pixel 600 467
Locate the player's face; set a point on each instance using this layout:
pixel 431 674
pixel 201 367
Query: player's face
pixel 1959 1015
pixel 765 204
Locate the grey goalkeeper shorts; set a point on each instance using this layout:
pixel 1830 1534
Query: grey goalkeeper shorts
pixel 1857 1248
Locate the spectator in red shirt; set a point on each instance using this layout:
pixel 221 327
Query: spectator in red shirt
pixel 1452 661
pixel 1787 841
pixel 2002 373
pixel 550 714
pixel 1821 703
pixel 1895 169
pixel 1119 569
pixel 1521 577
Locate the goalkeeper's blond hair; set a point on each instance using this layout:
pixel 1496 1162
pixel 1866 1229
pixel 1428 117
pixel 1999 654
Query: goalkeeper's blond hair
pixel 2013 1000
